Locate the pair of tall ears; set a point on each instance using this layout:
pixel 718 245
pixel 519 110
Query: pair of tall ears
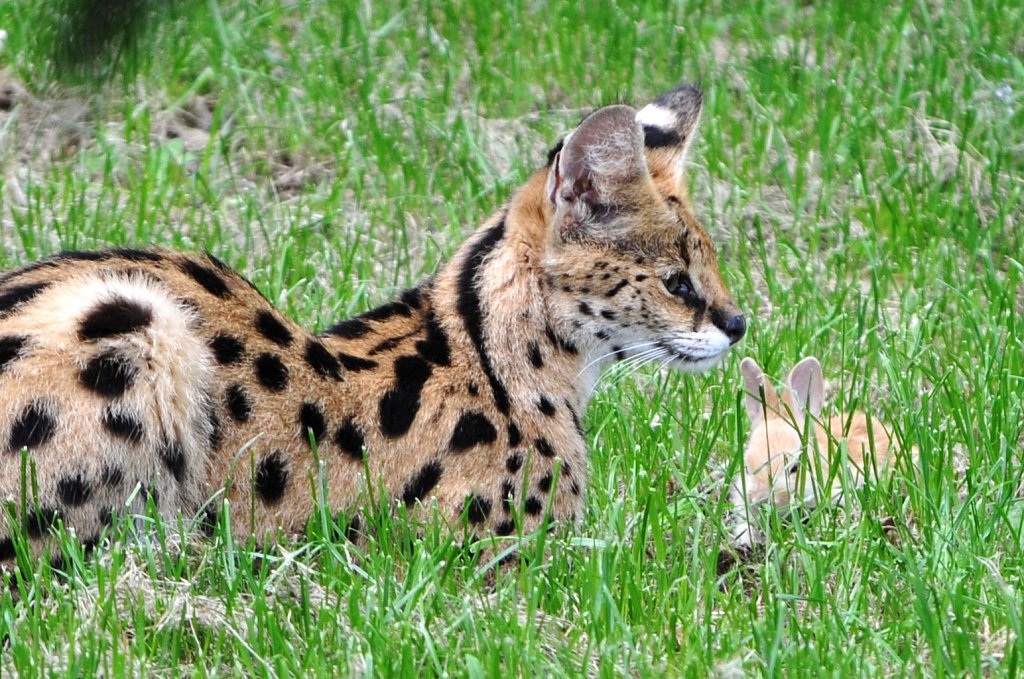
pixel 801 395
pixel 605 154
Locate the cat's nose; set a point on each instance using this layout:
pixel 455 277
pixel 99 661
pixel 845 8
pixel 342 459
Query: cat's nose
pixel 733 325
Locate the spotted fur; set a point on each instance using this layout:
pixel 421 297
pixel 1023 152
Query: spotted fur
pixel 167 378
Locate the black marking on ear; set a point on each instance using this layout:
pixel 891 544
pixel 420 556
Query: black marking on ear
pixel 109 374
pixel 544 447
pixel 239 403
pixel 400 404
pixel 35 426
pixel 74 490
pixel 268 325
pixel 614 290
pixel 470 307
pixel 477 509
pixel 422 482
pixel 11 347
pixel 533 506
pixel 514 463
pixel 349 438
pixel 353 328
pixel 271 480
pixel 560 342
pixel 322 361
pixel 473 429
pixel 536 357
pixel 123 425
pixel 434 347
pixel 227 349
pixel 271 372
pixel 656 137
pixel 555 150
pixel 116 316
pixel 515 437
pixel 40 520
pixel 208 278
pixel 16 295
pixel 356 363
pixel 173 457
pixel 312 419
pixel 546 406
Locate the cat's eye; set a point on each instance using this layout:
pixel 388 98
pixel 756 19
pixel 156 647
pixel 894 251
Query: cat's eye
pixel 680 285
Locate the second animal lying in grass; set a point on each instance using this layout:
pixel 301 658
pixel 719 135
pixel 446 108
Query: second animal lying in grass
pixel 791 456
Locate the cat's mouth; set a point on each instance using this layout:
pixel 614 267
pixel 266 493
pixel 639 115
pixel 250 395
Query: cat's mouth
pixel 697 353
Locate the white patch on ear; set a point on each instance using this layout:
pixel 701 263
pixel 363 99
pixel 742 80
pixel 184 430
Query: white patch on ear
pixel 805 389
pixel 657 116
pixel 753 388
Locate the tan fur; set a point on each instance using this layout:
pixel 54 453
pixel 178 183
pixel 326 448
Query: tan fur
pixel 783 465
pixel 447 388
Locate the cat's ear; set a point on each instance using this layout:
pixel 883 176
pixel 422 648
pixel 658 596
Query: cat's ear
pixel 670 124
pixel 759 397
pixel 805 388
pixel 598 161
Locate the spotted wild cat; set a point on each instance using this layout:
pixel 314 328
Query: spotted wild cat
pixel 166 374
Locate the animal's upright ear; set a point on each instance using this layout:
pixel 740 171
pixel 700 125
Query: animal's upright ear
pixel 670 124
pixel 805 389
pixel 759 396
pixel 598 159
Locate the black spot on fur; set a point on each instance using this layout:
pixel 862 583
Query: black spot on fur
pixel 106 516
pixel 412 297
pixel 544 485
pixel 271 478
pixel 470 307
pixel 322 361
pixel 271 327
pixel 560 342
pixel 505 528
pixel 574 488
pixel 575 419
pixel 216 431
pixel 34 427
pixel 40 520
pixel 422 483
pixel 208 278
pixel 401 403
pixel 477 509
pixel 472 429
pixel 515 437
pixel 386 311
pixel 507 494
pixel 16 295
pixel 543 447
pixel 473 389
pixel 116 316
pixel 355 363
pixel 124 425
pixel 74 490
pixel 112 476
pixel 584 309
pixel 208 521
pixel 434 347
pixel 6 549
pixel 641 277
pixel 614 290
pixel 607 314
pixel 533 506
pixel 536 358
pixel 227 349
pixel 271 372
pixel 352 531
pixel 350 329
pixel 10 348
pixel 602 335
pixel 109 374
pixel 546 406
pixel 386 345
pixel 173 457
pixel 349 438
pixel 312 419
pixel 514 463
pixel 238 402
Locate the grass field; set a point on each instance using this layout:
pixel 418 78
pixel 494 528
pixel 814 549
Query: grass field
pixel 862 173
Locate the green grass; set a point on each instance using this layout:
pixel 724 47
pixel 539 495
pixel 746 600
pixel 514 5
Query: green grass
pixel 860 170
